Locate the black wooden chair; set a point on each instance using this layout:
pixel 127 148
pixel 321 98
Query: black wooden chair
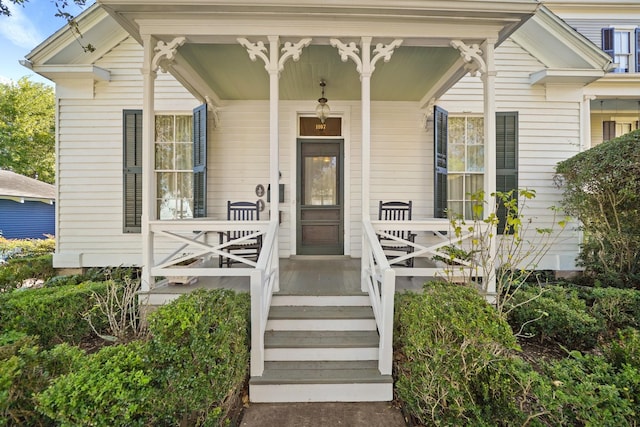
pixel 250 248
pixel 396 211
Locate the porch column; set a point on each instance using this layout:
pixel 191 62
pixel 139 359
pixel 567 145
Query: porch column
pixel 489 86
pixel 585 122
pixel 148 163
pixel 365 83
pixel 274 117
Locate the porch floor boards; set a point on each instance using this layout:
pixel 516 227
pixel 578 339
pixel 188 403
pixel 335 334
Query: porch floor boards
pixel 302 275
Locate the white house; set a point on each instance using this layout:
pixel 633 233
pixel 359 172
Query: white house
pixel 183 106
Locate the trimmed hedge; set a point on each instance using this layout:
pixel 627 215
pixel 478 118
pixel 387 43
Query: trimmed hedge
pixel 53 314
pixel 188 373
pixel 454 363
pixel 17 270
pixel 26 370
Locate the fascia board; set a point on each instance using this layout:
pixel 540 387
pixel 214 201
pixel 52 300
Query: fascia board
pixel 55 72
pixel 569 75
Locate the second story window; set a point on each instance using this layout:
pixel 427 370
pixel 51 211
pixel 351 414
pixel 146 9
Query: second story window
pixel 623 45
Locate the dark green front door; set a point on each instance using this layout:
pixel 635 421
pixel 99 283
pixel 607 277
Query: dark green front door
pixel 320 198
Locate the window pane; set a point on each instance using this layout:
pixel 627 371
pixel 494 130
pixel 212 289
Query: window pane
pixel 456 130
pixel 183 128
pixel 475 130
pixel 455 187
pixel 164 156
pixel 469 212
pixel 164 128
pixel 184 156
pixel 185 185
pixel 475 159
pixel 320 180
pixel 474 184
pixel 622 41
pixel 454 209
pixel 455 158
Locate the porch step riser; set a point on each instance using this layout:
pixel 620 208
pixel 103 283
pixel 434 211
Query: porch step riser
pixel 320 301
pixel 322 325
pixel 320 354
pixel 347 392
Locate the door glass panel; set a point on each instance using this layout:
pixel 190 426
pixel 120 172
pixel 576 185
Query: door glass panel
pixel 320 183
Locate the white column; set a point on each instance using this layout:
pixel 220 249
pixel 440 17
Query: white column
pixel 489 86
pixel 274 117
pixel 148 164
pixel 585 122
pixel 365 80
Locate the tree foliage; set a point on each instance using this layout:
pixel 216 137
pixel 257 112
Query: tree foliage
pixel 602 189
pixel 61 5
pixel 27 129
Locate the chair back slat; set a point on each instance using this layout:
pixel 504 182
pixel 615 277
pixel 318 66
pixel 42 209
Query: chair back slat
pixel 242 211
pixel 396 211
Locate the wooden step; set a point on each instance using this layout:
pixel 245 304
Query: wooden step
pixel 360 299
pixel 321 345
pixel 326 381
pixel 321 318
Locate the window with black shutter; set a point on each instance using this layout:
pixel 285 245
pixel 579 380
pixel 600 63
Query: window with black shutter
pixel 506 159
pixel 132 170
pixel 440 159
pixel 200 161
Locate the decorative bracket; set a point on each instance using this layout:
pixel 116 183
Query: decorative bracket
pixel 259 50
pixel 428 111
pixel 472 55
pixel 351 51
pixel 165 53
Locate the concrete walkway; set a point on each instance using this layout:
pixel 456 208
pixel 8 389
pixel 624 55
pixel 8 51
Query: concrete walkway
pixel 365 414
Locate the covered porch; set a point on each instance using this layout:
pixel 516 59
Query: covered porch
pixel 230 54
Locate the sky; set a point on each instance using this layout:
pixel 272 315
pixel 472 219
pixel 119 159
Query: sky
pixel 27 27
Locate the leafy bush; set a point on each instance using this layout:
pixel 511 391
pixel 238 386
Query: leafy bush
pixel 200 344
pixel 588 391
pixel 557 315
pixel 53 314
pixel 16 270
pixel 602 189
pixel 20 248
pixel 454 366
pixel 618 308
pixel 625 350
pixel 112 388
pixel 189 371
pixel 26 370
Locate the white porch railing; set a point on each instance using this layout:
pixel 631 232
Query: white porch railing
pixel 195 243
pixel 378 277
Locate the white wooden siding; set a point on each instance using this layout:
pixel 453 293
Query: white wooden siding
pixel 549 131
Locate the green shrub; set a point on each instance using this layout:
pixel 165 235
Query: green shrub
pixel 557 315
pixel 618 308
pixel 588 391
pixel 602 189
pixel 200 345
pixel 625 350
pixel 20 248
pixel 189 371
pixel 26 370
pixel 112 388
pixel 454 366
pixel 54 314
pixel 16 270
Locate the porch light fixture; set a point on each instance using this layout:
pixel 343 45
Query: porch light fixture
pixel 322 109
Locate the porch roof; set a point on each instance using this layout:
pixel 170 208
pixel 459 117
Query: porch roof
pixel 213 65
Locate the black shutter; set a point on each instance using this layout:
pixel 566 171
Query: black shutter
pixel 440 138
pixel 200 161
pixel 506 159
pixel 608 42
pixel 132 170
pixel 637 33
pixel 608 130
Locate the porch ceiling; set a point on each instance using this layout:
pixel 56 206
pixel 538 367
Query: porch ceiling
pixel 233 76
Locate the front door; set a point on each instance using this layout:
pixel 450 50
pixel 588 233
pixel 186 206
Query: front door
pixel 320 197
